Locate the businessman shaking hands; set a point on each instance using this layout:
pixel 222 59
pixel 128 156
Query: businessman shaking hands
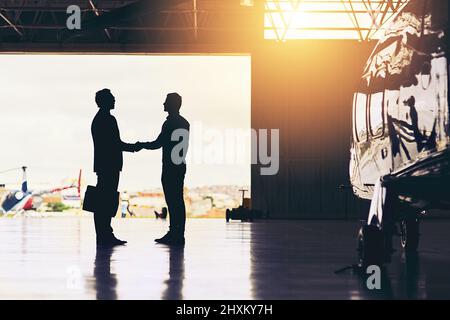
pixel 108 162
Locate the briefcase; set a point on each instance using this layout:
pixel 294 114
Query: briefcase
pixel 90 199
pixel 100 200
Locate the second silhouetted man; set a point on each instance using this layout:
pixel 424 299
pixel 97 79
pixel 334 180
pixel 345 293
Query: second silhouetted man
pixel 173 140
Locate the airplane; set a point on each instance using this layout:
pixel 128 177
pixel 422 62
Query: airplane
pixel 22 200
pixel 400 150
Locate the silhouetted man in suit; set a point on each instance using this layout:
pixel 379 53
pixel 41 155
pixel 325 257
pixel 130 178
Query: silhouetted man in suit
pixel 108 162
pixel 173 140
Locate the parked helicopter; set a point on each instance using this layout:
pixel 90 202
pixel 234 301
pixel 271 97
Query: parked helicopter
pixel 22 200
pixel 400 152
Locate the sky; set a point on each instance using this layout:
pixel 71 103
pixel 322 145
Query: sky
pixel 47 106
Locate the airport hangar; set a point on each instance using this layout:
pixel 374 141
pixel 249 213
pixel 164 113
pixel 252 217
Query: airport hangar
pixel 305 91
pixel 302 87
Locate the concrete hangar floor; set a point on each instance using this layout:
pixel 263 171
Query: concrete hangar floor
pixel 56 258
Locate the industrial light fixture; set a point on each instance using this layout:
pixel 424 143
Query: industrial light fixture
pixel 247 3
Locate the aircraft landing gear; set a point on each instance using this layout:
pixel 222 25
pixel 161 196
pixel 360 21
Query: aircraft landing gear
pixel 375 238
pixel 409 236
pixel 370 246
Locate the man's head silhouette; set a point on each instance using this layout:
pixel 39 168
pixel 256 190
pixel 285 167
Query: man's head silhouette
pixel 172 103
pixel 104 99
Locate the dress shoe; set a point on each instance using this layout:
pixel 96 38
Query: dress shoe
pixel 166 238
pixel 172 240
pixel 111 242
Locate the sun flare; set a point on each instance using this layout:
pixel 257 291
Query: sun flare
pixel 318 19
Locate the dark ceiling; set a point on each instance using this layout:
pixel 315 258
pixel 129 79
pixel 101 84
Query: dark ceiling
pixel 36 25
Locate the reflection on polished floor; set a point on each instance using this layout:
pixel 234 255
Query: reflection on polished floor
pixel 56 258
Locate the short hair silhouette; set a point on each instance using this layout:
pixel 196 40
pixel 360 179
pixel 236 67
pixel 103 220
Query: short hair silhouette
pixel 104 98
pixel 174 101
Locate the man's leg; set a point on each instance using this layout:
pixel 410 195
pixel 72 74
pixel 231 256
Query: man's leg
pixel 178 205
pixel 102 223
pixel 173 192
pixel 107 182
pixel 98 224
pixel 102 226
pixel 114 185
pixel 168 196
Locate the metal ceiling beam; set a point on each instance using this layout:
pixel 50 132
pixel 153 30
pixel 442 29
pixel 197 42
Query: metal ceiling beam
pixel 121 15
pixel 97 13
pixel 12 25
pixel 58 5
pixel 129 12
pixel 138 22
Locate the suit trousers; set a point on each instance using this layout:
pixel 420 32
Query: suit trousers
pixel 107 182
pixel 173 183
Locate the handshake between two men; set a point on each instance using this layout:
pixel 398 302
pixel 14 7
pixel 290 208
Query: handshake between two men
pixel 138 146
pixel 108 164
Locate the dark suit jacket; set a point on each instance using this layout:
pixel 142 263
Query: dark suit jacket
pixel 108 146
pixel 164 140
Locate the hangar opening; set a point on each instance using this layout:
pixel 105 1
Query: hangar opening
pixel 49 105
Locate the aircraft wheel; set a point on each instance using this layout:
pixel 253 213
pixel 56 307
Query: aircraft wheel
pixel 370 243
pixel 410 235
pixel 227 215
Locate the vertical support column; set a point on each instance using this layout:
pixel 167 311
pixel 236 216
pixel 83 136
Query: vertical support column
pixel 195 19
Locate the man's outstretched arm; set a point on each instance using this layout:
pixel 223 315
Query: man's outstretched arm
pixel 153 145
pixel 159 142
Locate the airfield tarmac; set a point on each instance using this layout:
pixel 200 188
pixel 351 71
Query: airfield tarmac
pixel 56 258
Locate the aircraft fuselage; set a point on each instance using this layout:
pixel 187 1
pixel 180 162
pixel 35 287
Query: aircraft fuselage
pixel 401 117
